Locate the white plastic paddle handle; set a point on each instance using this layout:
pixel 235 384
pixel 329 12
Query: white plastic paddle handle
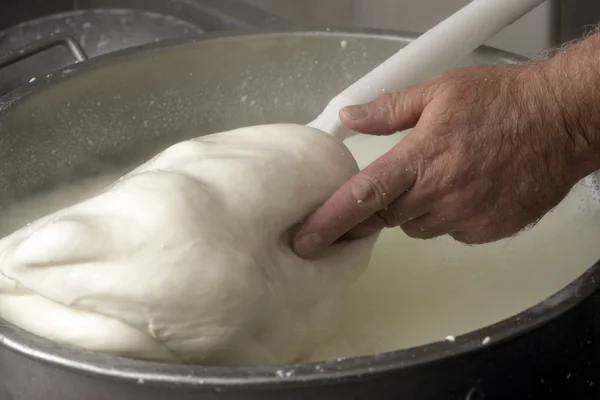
pixel 437 50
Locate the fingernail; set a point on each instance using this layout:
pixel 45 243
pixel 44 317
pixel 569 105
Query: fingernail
pixel 308 244
pixel 356 113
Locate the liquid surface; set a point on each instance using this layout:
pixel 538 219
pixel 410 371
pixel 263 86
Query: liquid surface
pixel 415 291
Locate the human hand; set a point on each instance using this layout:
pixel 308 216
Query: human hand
pixel 490 154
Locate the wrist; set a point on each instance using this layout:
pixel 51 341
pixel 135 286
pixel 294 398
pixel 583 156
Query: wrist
pixel 569 86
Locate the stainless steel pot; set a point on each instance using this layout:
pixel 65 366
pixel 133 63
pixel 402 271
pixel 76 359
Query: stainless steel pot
pixel 119 109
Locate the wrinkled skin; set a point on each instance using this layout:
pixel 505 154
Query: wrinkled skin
pixel 492 150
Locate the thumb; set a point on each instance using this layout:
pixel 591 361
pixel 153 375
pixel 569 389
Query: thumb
pixel 390 113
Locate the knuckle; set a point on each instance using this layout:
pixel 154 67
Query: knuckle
pixel 429 234
pixel 390 106
pixel 411 232
pixel 369 192
pixel 430 229
pixel 463 237
pixel 476 234
pixel 415 232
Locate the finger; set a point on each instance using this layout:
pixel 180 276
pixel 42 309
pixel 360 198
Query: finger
pixel 389 113
pixel 406 207
pixel 369 191
pixel 368 227
pixel 462 237
pixel 480 236
pixel 427 226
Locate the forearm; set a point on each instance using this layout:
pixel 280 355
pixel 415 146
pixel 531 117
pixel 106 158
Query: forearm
pixel 572 87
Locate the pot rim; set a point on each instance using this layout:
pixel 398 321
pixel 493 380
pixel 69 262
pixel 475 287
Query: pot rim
pixel 306 374
pixel 7 99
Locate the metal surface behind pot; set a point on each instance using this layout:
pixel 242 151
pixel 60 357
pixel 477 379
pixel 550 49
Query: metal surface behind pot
pixel 104 26
pixel 120 109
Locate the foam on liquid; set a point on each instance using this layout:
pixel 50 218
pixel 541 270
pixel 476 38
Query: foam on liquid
pixel 415 291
